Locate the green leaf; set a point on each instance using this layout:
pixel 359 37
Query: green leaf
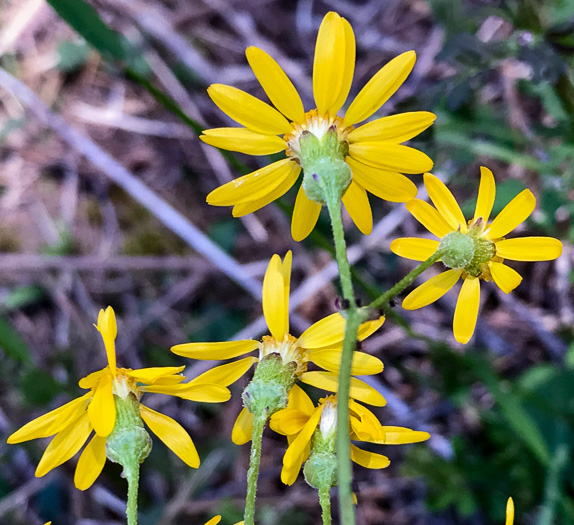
pixel 12 343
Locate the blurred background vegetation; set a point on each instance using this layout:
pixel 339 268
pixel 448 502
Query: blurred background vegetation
pixel 131 76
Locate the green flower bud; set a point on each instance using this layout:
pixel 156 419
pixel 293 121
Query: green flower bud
pixel 129 443
pixel 269 389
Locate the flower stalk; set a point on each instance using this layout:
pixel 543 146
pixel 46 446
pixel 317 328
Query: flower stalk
pixel 253 472
pixel 383 300
pixel 325 501
pixel 354 319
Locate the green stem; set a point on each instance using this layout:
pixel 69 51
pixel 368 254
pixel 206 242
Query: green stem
pixel 383 300
pixel 132 475
pixel 325 501
pixel 253 472
pixel 354 318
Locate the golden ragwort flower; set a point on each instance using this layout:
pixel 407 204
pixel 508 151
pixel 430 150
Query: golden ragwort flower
pixel 73 423
pixel 374 151
pixel 301 419
pixel 489 247
pixel 320 344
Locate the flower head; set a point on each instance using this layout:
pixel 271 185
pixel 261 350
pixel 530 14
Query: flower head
pixel 372 152
pixel 475 250
pixel 320 344
pixel 96 412
pixel 311 429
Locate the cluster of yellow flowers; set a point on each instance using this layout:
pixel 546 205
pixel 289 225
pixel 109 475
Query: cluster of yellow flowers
pixel 375 160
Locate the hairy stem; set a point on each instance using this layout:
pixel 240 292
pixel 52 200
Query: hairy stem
pixel 383 300
pixel 132 475
pixel 325 501
pixel 253 472
pixel 344 467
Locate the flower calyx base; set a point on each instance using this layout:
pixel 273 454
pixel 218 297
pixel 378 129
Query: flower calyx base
pixel 269 389
pixel 324 166
pixel 467 251
pixel 129 443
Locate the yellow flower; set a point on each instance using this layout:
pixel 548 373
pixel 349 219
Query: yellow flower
pixel 509 512
pixel 301 419
pixel 320 344
pixel 73 423
pixel 489 248
pixel 373 151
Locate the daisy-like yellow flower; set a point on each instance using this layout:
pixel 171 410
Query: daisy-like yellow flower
pixel 320 344
pixel 301 421
pixel 475 250
pixel 373 151
pixel 73 423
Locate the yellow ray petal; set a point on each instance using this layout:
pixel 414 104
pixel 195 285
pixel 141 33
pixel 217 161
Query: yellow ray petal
pixel 290 473
pixel 299 400
pixel 153 374
pixel 505 277
pixel 380 88
pixel 368 459
pixel 363 364
pixel 213 521
pixel 486 195
pixel 276 297
pixel 330 382
pixel 227 374
pixel 102 408
pixel 513 214
pixel 174 436
pixel 254 185
pixel 91 463
pixel 247 207
pixel 52 422
pixel 388 185
pixel 331 64
pixel 91 380
pixel 357 204
pixel 431 290
pixel 509 512
pixel 369 327
pixel 65 445
pixel 367 421
pixel 297 446
pixel 108 329
pixel 466 311
pixel 402 436
pixel 348 68
pixel 414 248
pixel 202 392
pixel 445 202
pixel 429 217
pixel 248 111
pixel 243 427
pixel 396 128
pixel 276 84
pixel 243 140
pixel 392 157
pixel 305 216
pixel 209 351
pixel 326 332
pixel 529 249
pixel 292 422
